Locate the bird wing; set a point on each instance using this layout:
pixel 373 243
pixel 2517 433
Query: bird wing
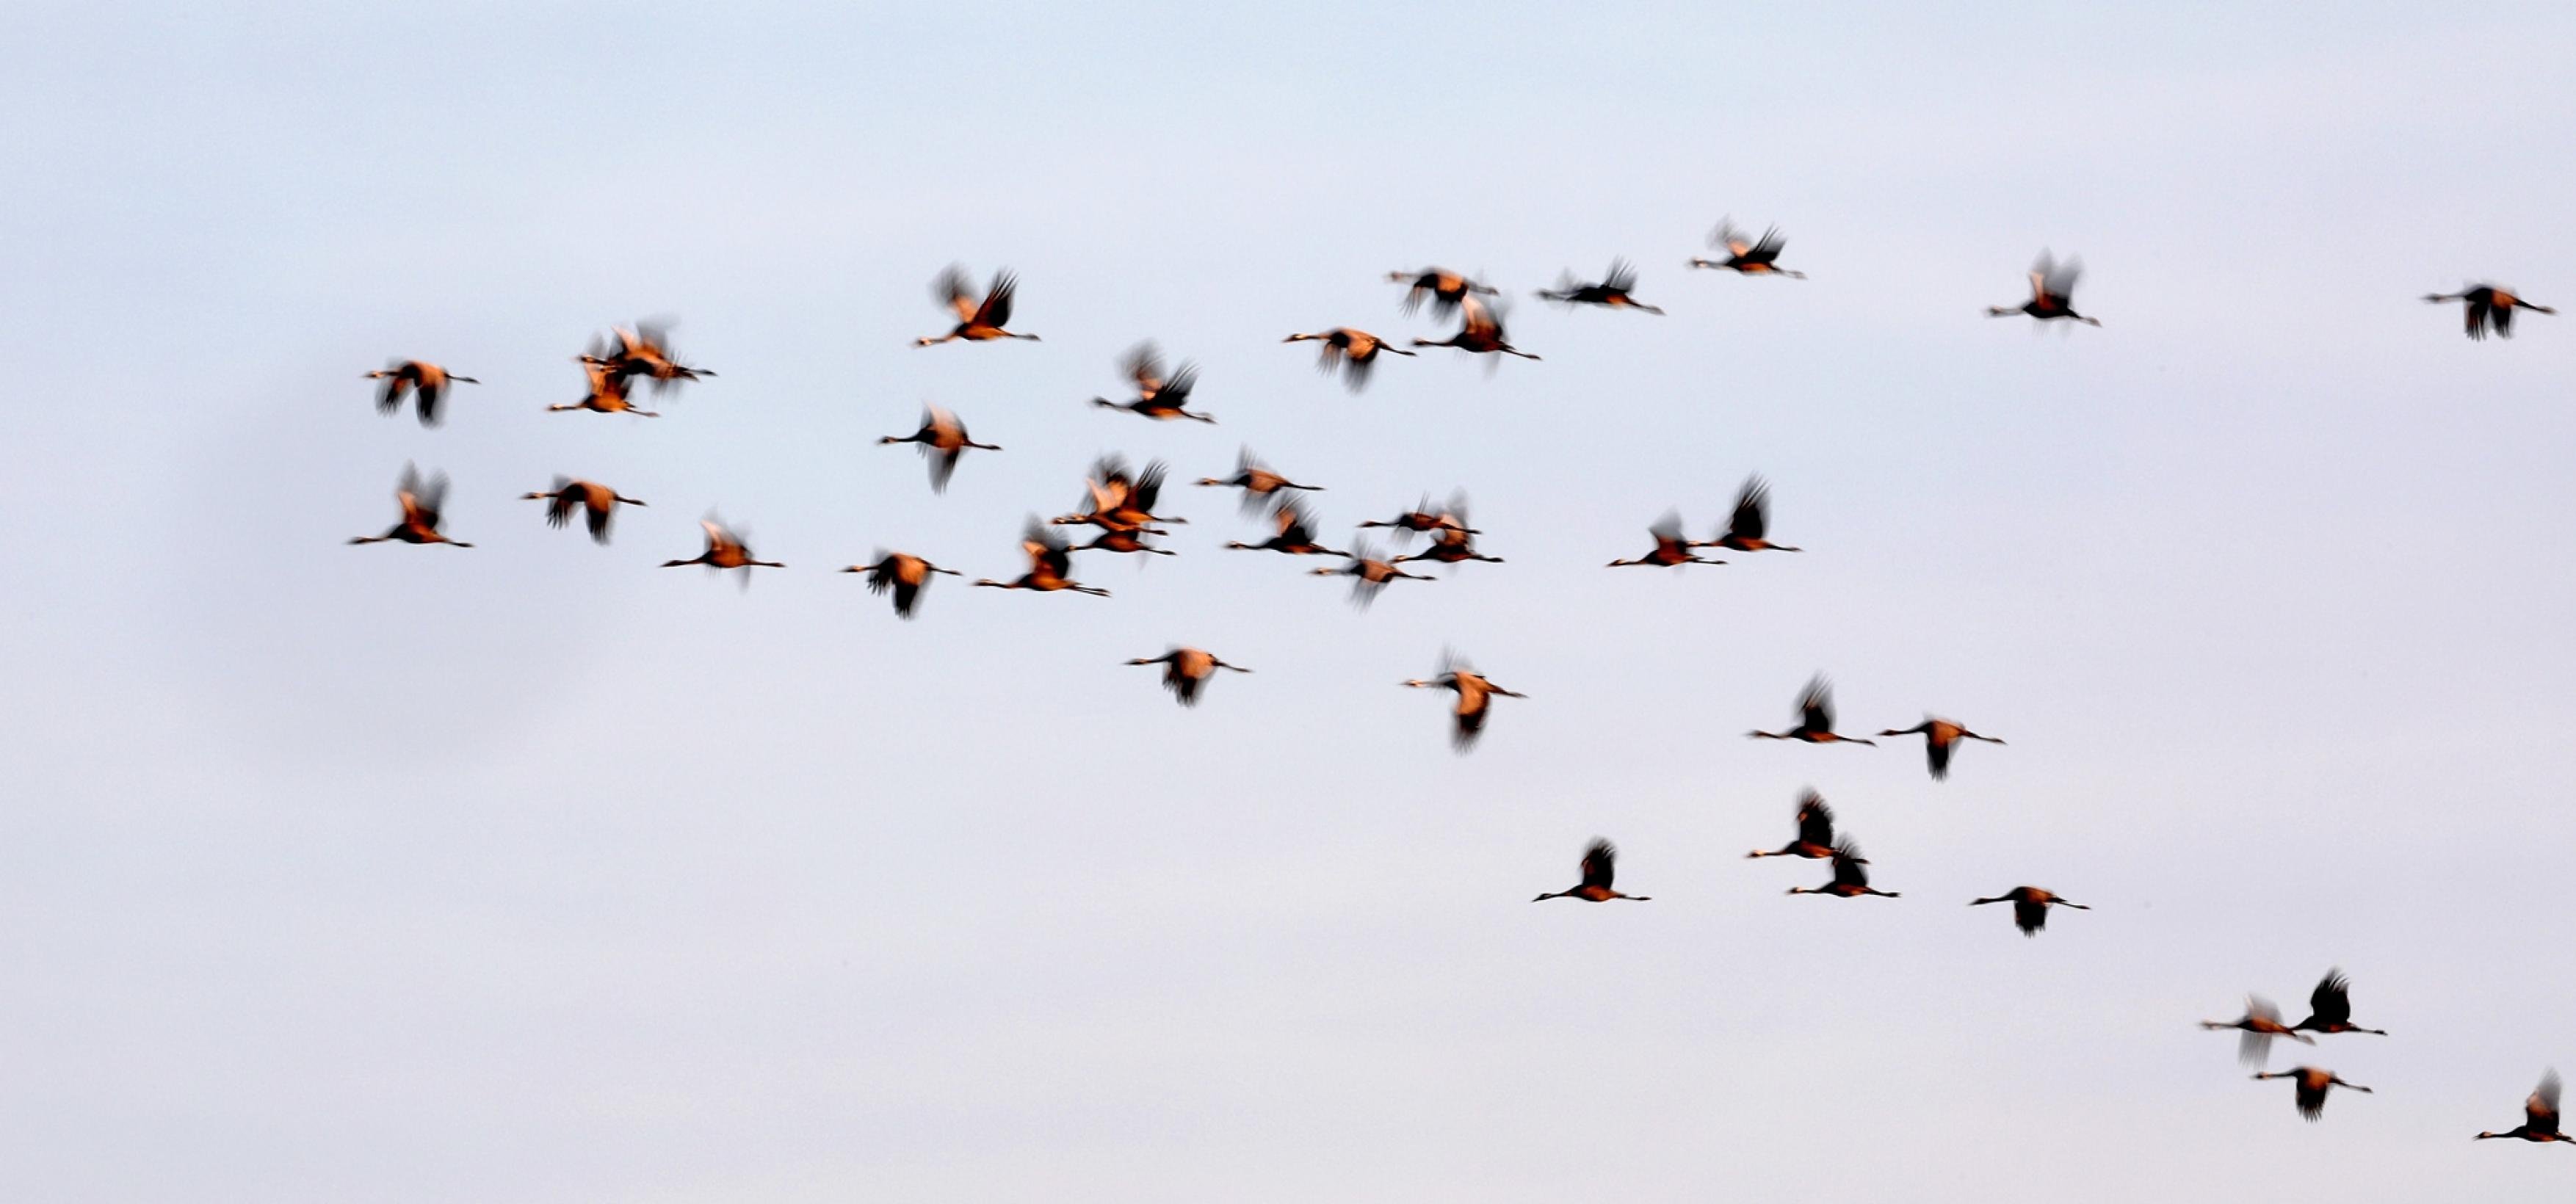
pixel 1667 529
pixel 2058 279
pixel 1849 865
pixel 1144 365
pixel 2542 1108
pixel 1815 820
pixel 1148 487
pixel 951 289
pixel 1176 391
pixel 1816 706
pixel 2259 1008
pixel 2030 915
pixel 427 498
pixel 2332 1000
pixel 1752 510
pixel 1768 248
pixel 1621 277
pixel 996 309
pixel 1600 864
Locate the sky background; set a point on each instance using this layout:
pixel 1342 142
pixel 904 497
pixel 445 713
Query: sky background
pixel 534 873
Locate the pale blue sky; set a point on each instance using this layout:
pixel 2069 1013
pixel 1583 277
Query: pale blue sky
pixel 533 873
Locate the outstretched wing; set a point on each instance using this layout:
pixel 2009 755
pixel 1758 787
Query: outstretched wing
pixel 1815 820
pixel 1600 864
pixel 1816 705
pixel 996 310
pixel 2332 1000
pixel 952 290
pixel 1752 510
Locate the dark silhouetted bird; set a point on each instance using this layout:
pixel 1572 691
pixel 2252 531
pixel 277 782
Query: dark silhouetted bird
pixel 2030 907
pixel 1599 867
pixel 2489 307
pixel 1750 522
pixel 1815 831
pixel 1610 292
pixel 2330 1007
pixel 2052 292
pixel 1758 257
pixel 1851 877
pixel 1815 718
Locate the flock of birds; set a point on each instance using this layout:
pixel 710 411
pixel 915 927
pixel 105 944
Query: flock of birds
pixel 1123 504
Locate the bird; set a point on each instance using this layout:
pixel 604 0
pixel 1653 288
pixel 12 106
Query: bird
pixel 1851 881
pixel 1423 518
pixel 1750 522
pixel 1611 292
pixel 1261 487
pixel 1353 351
pixel 1476 694
pixel 1940 737
pixel 2260 1024
pixel 977 321
pixel 1672 548
pixel 1757 258
pixel 2052 292
pixel 2330 1008
pixel 2489 307
pixel 1120 498
pixel 427 382
pixel 1452 540
pixel 597 502
pixel 1600 865
pixel 1369 574
pixel 943 441
pixel 1296 535
pixel 644 350
pixel 420 500
pixel 1815 831
pixel 1050 564
pixel 2539 1115
pixel 608 392
pixel 2312 1085
pixel 1158 397
pixel 1445 289
pixel 1186 671
pixel 1480 331
pixel 1815 718
pixel 726 549
pixel 907 575
pixel 2030 907
pixel 1127 539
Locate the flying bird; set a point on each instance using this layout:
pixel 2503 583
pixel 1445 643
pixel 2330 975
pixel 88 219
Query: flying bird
pixel 1369 574
pixel 1424 518
pixel 2312 1085
pixel 644 350
pixel 1851 879
pixel 1453 541
pixel 1261 487
pixel 1815 831
pixel 1940 738
pixel 1445 289
pixel 907 575
pixel 1119 498
pixel 598 504
pixel 2260 1024
pixel 1480 331
pixel 2052 292
pixel 2539 1115
pixel 1353 351
pixel 1815 718
pixel 1672 548
pixel 1296 534
pixel 977 321
pixel 1158 396
pixel 1610 292
pixel 943 441
pixel 1050 564
pixel 1759 257
pixel 726 549
pixel 608 393
pixel 2030 907
pixel 2489 307
pixel 420 512
pixel 1600 865
pixel 1476 695
pixel 2330 1007
pixel 1186 671
pixel 1750 522
pixel 426 382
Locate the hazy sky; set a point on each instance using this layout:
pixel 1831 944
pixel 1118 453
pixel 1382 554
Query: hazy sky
pixel 535 873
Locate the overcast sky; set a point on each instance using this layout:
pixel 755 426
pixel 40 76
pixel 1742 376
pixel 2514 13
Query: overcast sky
pixel 537 873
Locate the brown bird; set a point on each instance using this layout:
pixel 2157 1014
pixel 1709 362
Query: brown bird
pixel 1158 397
pixel 1423 517
pixel 1672 549
pixel 1296 535
pixel 1851 881
pixel 943 440
pixel 420 511
pixel 1480 331
pixel 905 574
pixel 1186 671
pixel 726 549
pixel 1261 487
pixel 1444 288
pixel 1815 718
pixel 977 321
pixel 644 350
pixel 2311 1088
pixel 1119 498
pixel 1815 831
pixel 2490 307
pixel 1600 865
pixel 1611 291
pixel 2330 1007
pixel 2261 1023
pixel 1453 541
pixel 1127 539
pixel 1750 522
pixel 608 392
pixel 1476 695
pixel 426 381
pixel 2030 907
pixel 1050 564
pixel 1369 573
pixel 597 502
pixel 2539 1115
pixel 1759 257
pixel 1940 737
pixel 2052 292
pixel 1352 351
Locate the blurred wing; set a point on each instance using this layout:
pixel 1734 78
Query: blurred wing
pixel 996 310
pixel 1600 864
pixel 1752 507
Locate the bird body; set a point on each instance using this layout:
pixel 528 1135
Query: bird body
pixel 643 350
